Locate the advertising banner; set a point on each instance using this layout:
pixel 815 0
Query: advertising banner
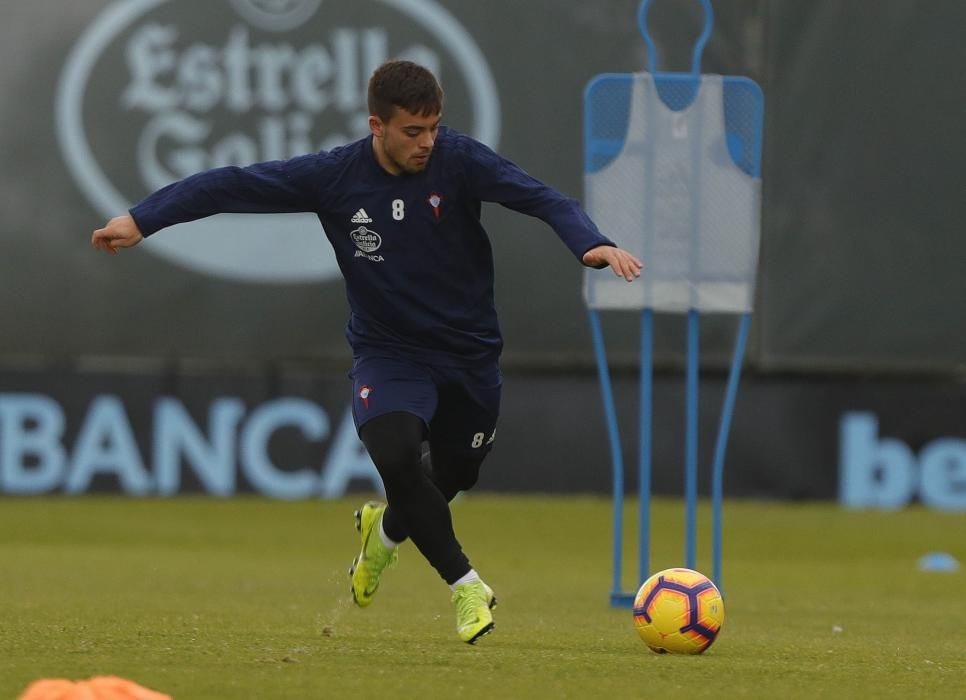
pixel 871 444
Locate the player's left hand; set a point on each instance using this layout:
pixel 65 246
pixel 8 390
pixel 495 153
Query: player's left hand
pixel 621 262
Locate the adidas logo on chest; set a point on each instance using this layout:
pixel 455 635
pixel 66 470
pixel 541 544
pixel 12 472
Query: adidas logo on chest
pixel 361 217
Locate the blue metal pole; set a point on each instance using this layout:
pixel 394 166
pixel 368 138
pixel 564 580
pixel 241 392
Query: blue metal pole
pixel 721 446
pixel 691 442
pixel 644 476
pixel 617 458
pixel 649 42
pixel 703 39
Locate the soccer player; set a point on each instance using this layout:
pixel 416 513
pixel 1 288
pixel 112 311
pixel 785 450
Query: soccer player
pixel 401 208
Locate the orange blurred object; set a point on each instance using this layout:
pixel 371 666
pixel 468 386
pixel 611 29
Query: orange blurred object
pixel 98 688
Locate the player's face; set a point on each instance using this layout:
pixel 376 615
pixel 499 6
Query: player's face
pixel 405 142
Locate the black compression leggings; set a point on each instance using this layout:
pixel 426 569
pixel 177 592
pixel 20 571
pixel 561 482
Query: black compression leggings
pixel 419 497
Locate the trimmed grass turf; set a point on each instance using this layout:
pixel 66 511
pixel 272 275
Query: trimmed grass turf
pixel 248 598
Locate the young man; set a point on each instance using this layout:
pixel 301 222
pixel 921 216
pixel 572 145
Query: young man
pixel 401 209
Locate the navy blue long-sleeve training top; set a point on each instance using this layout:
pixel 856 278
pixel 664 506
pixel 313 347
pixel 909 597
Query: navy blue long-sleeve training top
pixel 417 262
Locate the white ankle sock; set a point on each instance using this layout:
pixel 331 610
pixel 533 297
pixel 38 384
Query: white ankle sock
pixel 385 538
pixel 468 577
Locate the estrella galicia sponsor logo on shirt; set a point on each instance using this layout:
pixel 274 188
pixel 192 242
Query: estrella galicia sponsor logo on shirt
pixel 156 90
pixel 367 241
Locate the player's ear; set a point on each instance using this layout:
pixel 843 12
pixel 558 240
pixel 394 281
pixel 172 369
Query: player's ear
pixel 375 125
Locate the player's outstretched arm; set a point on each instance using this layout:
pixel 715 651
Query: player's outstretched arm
pixel 620 261
pixel 120 232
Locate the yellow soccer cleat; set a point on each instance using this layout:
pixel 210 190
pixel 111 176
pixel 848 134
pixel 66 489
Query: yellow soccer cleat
pixel 374 556
pixel 473 617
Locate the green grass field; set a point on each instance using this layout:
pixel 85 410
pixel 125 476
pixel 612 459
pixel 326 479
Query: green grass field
pixel 249 598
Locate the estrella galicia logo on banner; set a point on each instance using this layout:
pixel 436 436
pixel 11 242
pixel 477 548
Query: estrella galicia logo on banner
pixel 156 90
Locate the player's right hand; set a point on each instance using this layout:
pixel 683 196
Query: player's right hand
pixel 120 232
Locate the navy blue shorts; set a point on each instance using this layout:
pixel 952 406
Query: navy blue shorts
pixel 459 406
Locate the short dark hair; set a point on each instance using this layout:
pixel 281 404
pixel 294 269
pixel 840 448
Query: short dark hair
pixel 404 84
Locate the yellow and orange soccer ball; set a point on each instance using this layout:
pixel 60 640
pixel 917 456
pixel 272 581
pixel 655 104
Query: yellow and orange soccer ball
pixel 678 611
